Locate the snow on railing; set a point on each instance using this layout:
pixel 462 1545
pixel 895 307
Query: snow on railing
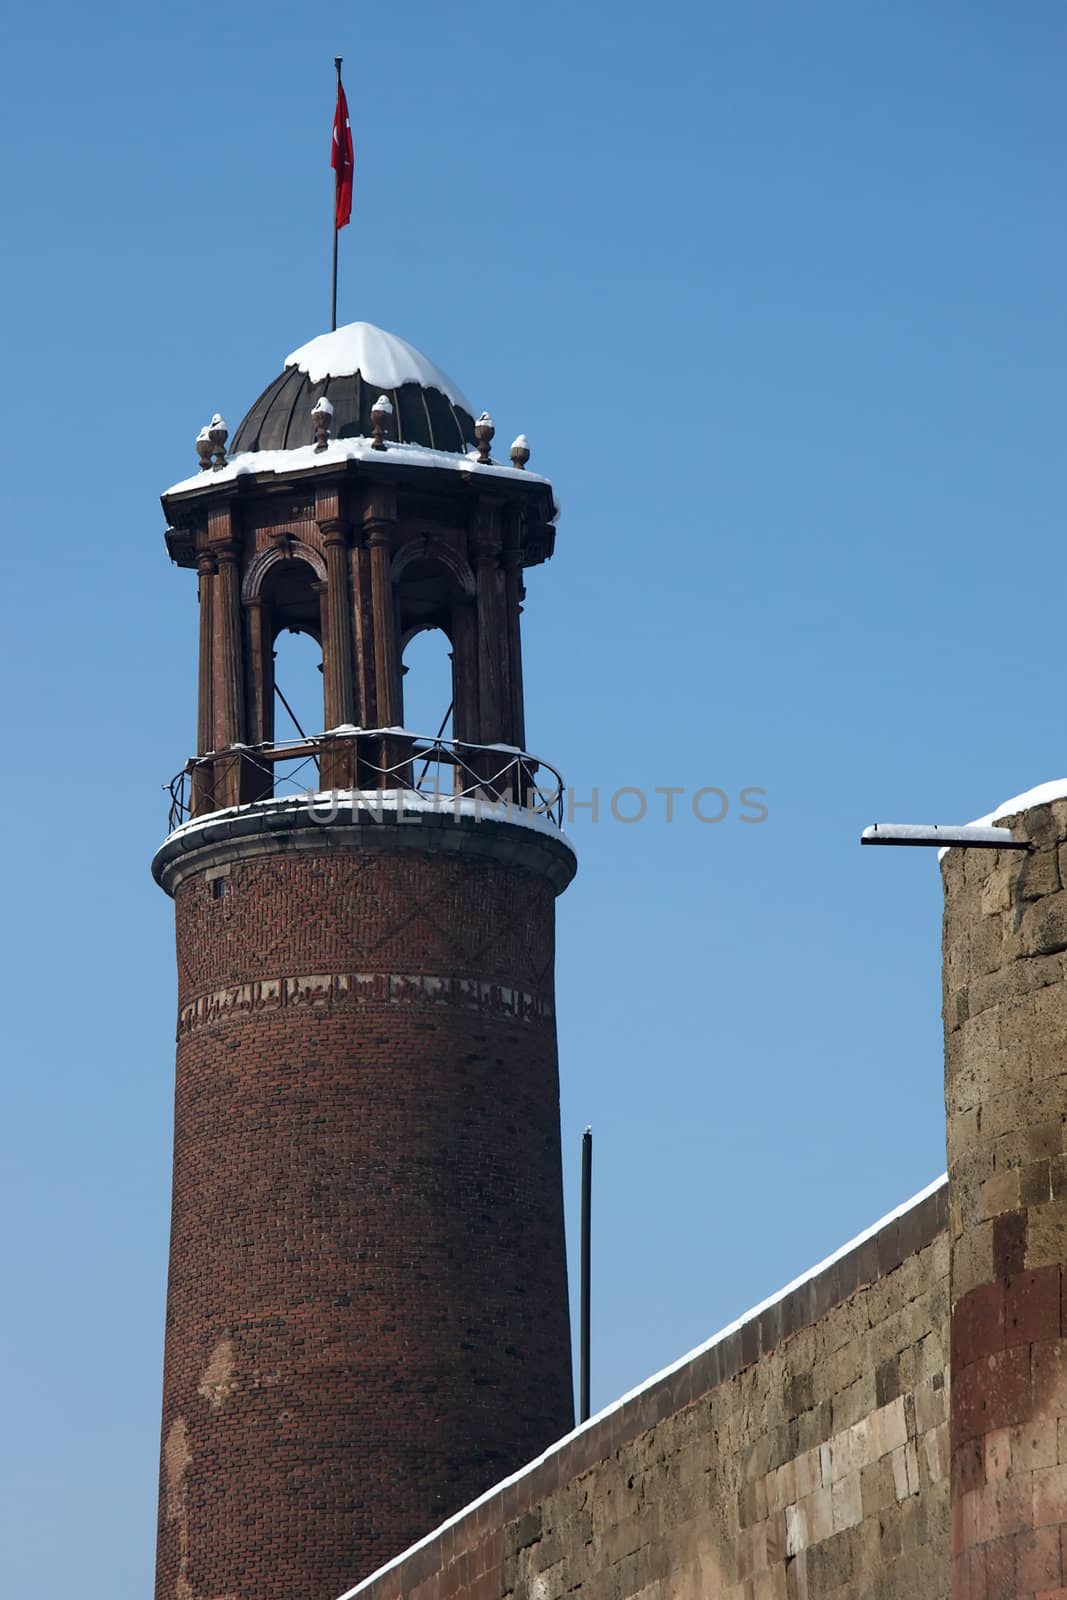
pixel 353 761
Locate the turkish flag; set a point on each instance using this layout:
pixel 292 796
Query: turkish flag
pixel 342 160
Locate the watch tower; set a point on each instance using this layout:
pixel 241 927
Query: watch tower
pixel 367 1318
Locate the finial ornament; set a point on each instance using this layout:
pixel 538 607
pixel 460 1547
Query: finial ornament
pixel 381 412
pixel 218 433
pixel 520 452
pixel 484 430
pixel 322 417
pixel 204 449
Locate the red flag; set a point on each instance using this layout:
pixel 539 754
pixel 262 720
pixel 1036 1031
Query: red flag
pixel 342 160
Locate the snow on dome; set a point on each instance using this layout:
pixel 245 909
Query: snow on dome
pixel 379 357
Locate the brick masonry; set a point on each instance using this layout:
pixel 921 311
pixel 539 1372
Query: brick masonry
pixel 1005 1011
pixel 367 1317
pixel 803 1456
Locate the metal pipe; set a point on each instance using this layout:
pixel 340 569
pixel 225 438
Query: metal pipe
pixel 583 1313
pixel 939 836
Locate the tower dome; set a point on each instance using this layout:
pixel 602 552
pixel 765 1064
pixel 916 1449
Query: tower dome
pixel 351 367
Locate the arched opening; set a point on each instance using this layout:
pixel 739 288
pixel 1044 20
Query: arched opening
pixel 297 674
pixel 292 678
pixel 297 658
pixel 427 682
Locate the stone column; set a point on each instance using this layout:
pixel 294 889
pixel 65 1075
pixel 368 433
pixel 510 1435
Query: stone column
pixel 363 612
pixel 228 675
pixel 492 633
pixel 258 675
pixel 513 593
pixel 1005 1015
pixel 386 662
pixel 337 662
pixel 465 669
pixel 201 799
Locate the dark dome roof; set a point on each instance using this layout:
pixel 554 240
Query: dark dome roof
pixel 352 367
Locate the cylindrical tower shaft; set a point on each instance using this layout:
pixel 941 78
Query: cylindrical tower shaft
pixel 367 1311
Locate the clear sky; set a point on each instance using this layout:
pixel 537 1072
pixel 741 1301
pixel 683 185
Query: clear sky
pixel 776 292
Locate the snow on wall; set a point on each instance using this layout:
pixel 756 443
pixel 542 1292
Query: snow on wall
pixel 649 1383
pixel 1041 795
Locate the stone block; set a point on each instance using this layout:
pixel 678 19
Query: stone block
pixel 1058 1177
pixel 1048 1367
pixel 808 1475
pixel 996 892
pixel 936 1451
pixel 1009 1243
pixel 997 1446
pixel 1000 1566
pixel 819 1514
pixel 846 1502
pixel 1039 876
pixel 1037 1559
pixel 965 1129
pixel 993 1392
pixel 972 1259
pixel 1046 1242
pixel 1034 1444
pixel 1001 1192
pixel 1043 926
pixel 931 1406
pixel 877 1489
pixel 1035 1183
pixel 1005 1507
pixel 978 1323
pixel 829 1564
pixel 1032 1306
pixel 1050 1496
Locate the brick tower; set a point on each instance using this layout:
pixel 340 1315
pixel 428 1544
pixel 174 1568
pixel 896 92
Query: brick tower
pixel 367 1317
pixel 1005 938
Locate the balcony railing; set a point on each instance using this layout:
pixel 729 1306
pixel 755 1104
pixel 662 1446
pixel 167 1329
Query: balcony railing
pixel 356 763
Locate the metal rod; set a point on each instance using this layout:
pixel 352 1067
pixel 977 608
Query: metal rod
pixel 440 731
pixel 292 713
pixel 333 294
pixel 583 1312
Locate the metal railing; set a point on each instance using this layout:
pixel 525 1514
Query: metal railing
pixel 355 762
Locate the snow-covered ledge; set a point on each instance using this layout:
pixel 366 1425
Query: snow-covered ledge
pixel 308 458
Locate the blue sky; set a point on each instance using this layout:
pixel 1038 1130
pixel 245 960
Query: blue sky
pixel 776 292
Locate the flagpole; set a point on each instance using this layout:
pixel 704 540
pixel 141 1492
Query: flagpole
pixel 333 297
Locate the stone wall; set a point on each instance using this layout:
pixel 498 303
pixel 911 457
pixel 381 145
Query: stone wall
pixel 802 1455
pixel 1005 1008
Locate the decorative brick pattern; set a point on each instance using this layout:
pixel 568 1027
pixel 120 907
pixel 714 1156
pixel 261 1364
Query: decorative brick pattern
pixel 803 1457
pixel 362 988
pixel 1005 1009
pixel 367 1317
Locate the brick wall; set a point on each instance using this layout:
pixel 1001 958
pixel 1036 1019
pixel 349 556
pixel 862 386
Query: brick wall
pixel 367 1317
pixel 802 1456
pixel 1005 1010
